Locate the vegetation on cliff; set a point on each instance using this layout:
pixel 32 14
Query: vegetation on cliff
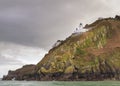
pixel 93 55
pixel 24 73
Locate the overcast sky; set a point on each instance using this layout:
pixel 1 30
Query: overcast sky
pixel 28 28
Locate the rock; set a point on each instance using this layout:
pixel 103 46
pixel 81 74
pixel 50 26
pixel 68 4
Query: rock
pixel 93 55
pixel 25 73
pixel 117 17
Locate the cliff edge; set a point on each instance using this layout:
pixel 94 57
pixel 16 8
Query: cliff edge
pixel 92 55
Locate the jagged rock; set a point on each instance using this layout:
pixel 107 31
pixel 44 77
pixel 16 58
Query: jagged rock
pixel 25 73
pixel 93 55
pixel 117 17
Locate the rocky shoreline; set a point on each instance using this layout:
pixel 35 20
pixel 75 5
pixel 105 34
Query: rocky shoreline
pixel 90 56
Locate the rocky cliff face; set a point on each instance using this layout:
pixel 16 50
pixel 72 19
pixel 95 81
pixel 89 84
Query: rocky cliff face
pixel 27 72
pixel 93 55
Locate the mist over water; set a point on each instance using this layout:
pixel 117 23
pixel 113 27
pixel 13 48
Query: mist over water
pixel 59 83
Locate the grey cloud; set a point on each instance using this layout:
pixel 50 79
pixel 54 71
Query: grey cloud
pixel 9 61
pixel 13 56
pixel 41 22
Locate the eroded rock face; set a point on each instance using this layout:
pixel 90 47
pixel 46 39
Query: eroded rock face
pixel 103 67
pixel 93 55
pixel 117 17
pixel 27 72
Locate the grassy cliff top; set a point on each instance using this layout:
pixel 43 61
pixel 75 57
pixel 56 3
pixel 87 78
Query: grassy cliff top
pixel 86 51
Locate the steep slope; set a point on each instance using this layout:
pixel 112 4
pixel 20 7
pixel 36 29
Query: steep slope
pixel 25 73
pixel 93 55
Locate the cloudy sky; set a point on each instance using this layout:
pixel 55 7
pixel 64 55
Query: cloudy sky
pixel 28 28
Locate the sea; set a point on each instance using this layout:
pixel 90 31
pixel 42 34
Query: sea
pixel 59 83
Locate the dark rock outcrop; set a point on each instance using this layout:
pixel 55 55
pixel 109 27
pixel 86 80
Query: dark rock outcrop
pixel 117 17
pixel 93 55
pixel 27 72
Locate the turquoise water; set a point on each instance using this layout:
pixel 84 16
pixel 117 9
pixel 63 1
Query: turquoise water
pixel 57 83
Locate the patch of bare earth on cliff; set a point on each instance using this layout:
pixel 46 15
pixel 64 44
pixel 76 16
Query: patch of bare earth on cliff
pixel 112 43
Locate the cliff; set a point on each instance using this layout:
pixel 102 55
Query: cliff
pixel 27 72
pixel 93 55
